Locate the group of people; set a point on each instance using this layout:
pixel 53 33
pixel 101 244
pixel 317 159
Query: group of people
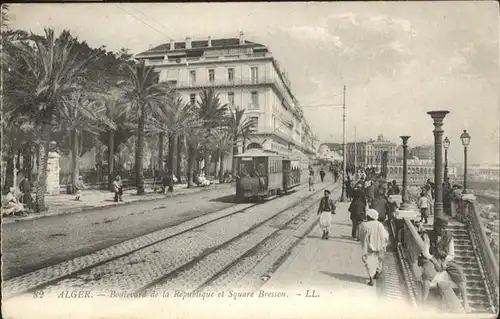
pixel 368 229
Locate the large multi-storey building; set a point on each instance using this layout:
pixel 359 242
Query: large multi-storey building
pixel 244 74
pixel 369 154
pixel 422 152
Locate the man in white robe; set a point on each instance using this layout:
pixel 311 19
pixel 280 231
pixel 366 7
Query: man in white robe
pixel 374 239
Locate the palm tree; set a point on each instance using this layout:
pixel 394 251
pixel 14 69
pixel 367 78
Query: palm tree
pixel 212 114
pixel 78 113
pixel 144 92
pixel 44 71
pixel 240 127
pixel 221 139
pixel 117 111
pixel 195 138
pixel 171 117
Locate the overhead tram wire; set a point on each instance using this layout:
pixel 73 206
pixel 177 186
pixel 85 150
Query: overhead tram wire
pixel 140 20
pixel 148 17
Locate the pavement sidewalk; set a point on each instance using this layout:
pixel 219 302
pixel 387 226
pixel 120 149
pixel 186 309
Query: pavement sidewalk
pixel 333 271
pixel 63 204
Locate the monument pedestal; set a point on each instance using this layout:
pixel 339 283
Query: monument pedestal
pixel 53 170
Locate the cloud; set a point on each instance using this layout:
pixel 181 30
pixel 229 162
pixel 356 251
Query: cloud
pixel 363 46
pixel 315 33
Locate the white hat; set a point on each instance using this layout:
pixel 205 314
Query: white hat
pixel 372 213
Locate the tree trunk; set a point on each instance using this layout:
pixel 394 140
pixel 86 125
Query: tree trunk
pixel 179 157
pixel 206 157
pixel 171 153
pixel 190 164
pixel 43 156
pixel 9 173
pixel 75 155
pixel 221 168
pixel 235 152
pixel 111 159
pixel 27 162
pixel 161 161
pixel 139 153
pixel 244 145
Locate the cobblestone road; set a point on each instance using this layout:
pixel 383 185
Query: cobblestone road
pixel 34 244
pixel 137 269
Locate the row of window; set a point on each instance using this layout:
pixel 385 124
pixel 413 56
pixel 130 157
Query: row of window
pixel 254 71
pixel 230 99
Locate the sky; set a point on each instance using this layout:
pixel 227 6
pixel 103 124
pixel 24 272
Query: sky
pixel 398 60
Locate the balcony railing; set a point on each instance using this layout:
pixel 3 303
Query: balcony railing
pixel 224 82
pixel 232 57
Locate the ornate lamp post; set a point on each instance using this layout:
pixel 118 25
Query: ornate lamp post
pixel 438 117
pixel 404 205
pixel 446 145
pixel 465 137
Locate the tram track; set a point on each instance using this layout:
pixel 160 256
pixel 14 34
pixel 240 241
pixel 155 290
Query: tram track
pixel 243 245
pixel 52 275
pixel 274 241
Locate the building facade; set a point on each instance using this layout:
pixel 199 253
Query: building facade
pixel 425 152
pixel 245 75
pixel 369 154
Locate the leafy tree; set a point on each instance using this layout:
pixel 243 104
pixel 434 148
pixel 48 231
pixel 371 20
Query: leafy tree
pixel 44 72
pixel 212 115
pixel 144 92
pixel 221 139
pixel 240 128
pixel 117 110
pixel 171 117
pixel 79 113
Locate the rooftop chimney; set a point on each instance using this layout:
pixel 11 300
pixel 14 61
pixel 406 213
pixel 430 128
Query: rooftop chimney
pixel 172 45
pixel 209 41
pixel 188 43
pixel 242 41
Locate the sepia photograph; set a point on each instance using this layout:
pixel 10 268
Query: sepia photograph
pixel 250 160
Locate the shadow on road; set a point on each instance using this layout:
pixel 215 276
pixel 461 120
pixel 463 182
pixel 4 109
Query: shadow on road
pixel 345 277
pixel 225 199
pixel 342 224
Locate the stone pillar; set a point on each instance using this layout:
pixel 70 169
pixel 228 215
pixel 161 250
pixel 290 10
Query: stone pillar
pixel 438 117
pixel 404 197
pixel 53 170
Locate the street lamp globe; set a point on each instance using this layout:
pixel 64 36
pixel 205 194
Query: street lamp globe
pixel 446 143
pixel 465 137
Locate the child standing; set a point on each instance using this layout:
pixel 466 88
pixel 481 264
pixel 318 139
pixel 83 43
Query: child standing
pixel 423 205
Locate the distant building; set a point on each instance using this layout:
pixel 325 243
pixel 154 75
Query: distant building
pixel 425 152
pixel 480 172
pixel 245 74
pixel 369 154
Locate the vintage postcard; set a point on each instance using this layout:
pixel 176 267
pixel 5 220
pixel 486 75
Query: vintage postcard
pixel 250 160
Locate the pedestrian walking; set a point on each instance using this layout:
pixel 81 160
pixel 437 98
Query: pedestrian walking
pixel 118 188
pixel 322 175
pixel 381 205
pixel 357 211
pixel 423 205
pixel 79 187
pixel 325 210
pixel 335 174
pixel 311 180
pixel 374 239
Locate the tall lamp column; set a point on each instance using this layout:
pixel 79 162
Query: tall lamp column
pixel 404 205
pixel 438 117
pixel 465 137
pixel 446 145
